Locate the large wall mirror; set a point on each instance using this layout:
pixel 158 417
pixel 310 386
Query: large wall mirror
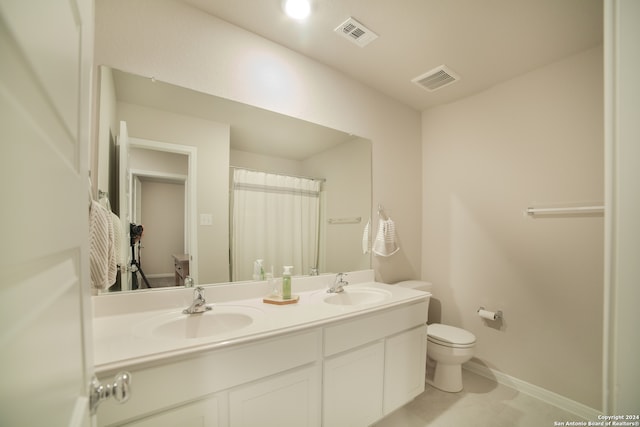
pixel 218 184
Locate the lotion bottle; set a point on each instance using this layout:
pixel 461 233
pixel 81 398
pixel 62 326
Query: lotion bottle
pixel 286 282
pixel 258 270
pixel 273 283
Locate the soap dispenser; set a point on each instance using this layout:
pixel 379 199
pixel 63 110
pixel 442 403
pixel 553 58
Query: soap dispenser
pixel 286 282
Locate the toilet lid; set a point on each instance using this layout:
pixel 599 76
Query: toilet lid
pixel 450 335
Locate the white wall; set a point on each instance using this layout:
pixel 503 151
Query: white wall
pixel 145 159
pixel 163 220
pixel 533 140
pixel 265 163
pixel 184 46
pixel 346 194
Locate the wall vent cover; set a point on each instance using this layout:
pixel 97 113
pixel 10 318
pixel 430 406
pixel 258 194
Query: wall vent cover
pixel 437 78
pixel 356 32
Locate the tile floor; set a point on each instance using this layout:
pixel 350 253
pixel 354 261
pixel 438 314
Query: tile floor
pixel 482 403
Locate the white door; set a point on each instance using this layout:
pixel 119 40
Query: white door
pixel 45 312
pixel 124 195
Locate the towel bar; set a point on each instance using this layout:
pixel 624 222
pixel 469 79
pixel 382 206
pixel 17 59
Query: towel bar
pixel 565 210
pixel 352 220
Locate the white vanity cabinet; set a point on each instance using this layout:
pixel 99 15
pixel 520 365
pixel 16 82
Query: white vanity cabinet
pixel 404 367
pixel 287 400
pixel 373 365
pixel 353 387
pixel 349 371
pixel 203 386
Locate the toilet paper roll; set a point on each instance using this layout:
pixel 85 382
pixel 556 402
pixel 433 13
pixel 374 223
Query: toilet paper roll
pixel 485 314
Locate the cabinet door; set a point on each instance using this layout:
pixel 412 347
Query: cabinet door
pixel 203 413
pixel 286 400
pixel 404 370
pixel 353 387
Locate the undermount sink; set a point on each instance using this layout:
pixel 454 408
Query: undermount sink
pixel 220 320
pixel 357 296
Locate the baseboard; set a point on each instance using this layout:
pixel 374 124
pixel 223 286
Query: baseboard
pixel 545 395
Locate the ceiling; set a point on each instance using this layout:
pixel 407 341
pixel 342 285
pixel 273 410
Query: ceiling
pixel 485 42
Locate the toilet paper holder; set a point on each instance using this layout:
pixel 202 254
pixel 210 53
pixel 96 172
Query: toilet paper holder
pixel 489 315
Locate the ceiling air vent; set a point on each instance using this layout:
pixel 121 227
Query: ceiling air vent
pixel 437 78
pixel 356 32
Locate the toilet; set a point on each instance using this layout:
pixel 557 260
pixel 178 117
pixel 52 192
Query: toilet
pixel 448 347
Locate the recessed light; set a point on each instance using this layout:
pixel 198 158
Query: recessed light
pixel 297 9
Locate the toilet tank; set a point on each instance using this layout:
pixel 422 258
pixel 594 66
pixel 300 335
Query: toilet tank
pixel 416 284
pixel 434 310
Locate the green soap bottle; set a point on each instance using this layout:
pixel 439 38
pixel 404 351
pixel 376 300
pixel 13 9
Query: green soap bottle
pixel 286 282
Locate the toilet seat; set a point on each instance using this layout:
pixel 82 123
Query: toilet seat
pixel 450 336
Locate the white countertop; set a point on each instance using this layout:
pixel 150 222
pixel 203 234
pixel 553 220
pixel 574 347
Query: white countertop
pixel 120 331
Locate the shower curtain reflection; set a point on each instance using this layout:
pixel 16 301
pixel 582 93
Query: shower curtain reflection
pixel 275 218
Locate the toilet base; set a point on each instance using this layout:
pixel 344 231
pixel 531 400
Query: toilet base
pixel 444 377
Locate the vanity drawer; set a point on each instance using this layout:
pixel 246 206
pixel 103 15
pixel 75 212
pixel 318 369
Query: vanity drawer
pixel 365 329
pixel 267 357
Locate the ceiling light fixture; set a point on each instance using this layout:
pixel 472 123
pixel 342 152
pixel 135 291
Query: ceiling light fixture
pixel 297 9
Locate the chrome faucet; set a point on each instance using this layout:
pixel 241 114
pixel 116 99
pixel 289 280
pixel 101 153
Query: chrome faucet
pixel 338 284
pixel 199 304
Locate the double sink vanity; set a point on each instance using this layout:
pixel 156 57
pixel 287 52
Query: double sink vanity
pixel 331 359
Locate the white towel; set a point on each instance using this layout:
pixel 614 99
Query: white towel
pixel 385 242
pixel 102 260
pixel 366 238
pixel 118 240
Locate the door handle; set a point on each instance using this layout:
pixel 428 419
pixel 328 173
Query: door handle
pixel 120 390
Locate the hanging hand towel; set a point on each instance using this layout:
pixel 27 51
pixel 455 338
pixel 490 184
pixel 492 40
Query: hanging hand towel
pixel 385 243
pixel 366 238
pixel 102 258
pixel 118 240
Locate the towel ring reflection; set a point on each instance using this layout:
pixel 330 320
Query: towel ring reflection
pixel 381 212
